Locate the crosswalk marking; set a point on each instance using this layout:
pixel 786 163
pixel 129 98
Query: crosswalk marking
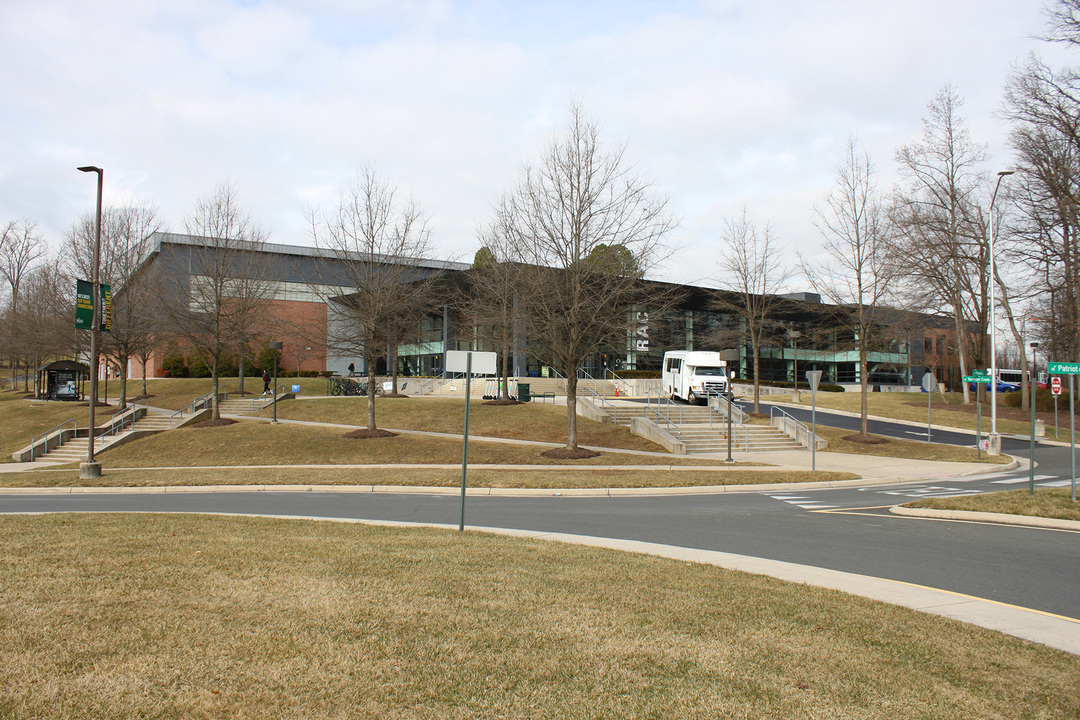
pixel 1017 481
pixel 801 501
pixel 930 491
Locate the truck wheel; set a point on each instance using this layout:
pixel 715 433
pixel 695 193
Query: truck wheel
pixel 691 398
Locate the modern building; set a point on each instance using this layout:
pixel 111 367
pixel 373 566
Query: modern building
pixel 304 288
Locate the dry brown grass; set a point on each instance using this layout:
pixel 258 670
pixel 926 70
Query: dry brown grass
pixel 844 441
pixel 253 442
pixel 525 421
pixel 1046 502
pixel 562 478
pixel 110 616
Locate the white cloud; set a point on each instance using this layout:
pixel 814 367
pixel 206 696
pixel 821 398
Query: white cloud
pixel 724 104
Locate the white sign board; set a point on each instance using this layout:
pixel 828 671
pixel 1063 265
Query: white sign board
pixel 814 377
pixel 483 363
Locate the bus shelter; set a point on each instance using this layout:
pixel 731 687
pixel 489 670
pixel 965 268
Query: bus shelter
pixel 61 380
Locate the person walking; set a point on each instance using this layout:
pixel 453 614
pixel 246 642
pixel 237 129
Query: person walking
pixel 266 382
pixel 352 369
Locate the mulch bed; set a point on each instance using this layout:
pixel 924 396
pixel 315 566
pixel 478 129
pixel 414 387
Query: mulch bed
pixel 394 395
pixel 504 401
pixel 866 439
pixel 215 423
pixel 567 454
pixel 365 434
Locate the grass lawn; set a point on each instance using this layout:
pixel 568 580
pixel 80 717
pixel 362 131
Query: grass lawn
pixel 22 418
pixel 526 421
pixel 256 443
pixel 1046 502
pixel 912 449
pixel 111 616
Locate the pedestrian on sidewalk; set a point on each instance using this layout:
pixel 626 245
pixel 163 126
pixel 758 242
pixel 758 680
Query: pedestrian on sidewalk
pixel 266 382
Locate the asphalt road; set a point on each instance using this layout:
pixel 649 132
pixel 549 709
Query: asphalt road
pixel 842 529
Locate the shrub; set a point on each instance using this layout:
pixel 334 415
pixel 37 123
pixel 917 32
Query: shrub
pixel 197 367
pixel 173 364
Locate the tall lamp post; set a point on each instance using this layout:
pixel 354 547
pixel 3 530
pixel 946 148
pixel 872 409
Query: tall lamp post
pixel 1031 449
pixel 995 439
pixel 90 468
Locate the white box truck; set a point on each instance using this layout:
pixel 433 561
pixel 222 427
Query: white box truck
pixel 695 375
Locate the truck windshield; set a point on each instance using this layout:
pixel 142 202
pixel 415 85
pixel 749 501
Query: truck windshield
pixel 722 372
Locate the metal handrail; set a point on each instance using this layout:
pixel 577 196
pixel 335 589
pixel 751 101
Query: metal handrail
pixel 191 406
pixel 810 437
pixel 604 404
pixel 666 416
pixel 677 425
pixel 616 378
pixel 126 418
pixel 50 432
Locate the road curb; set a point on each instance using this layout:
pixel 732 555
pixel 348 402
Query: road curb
pixel 988 517
pixel 473 491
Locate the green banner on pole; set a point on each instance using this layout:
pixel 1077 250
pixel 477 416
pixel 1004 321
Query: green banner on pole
pixel 84 306
pixel 1060 368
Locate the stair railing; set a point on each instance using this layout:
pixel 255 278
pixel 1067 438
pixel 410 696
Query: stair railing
pixel 33 443
pixel 800 427
pixel 125 419
pixel 665 411
pixel 608 407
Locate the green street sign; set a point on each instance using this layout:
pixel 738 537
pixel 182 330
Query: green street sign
pixel 976 378
pixel 1060 368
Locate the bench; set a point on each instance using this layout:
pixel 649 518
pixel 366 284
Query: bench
pixel 545 396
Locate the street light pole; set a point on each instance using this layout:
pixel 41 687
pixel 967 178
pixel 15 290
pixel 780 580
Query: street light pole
pixel 995 439
pixel 92 469
pixel 1031 449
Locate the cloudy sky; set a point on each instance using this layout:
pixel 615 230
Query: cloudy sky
pixel 722 103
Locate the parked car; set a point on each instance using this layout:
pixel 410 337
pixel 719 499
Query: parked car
pixel 1002 387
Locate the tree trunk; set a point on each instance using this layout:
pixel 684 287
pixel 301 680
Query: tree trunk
pixel 123 360
pixel 864 381
pixel 757 375
pixel 571 408
pixel 370 395
pixel 216 415
pixel 241 391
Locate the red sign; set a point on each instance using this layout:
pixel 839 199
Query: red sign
pixel 1055 385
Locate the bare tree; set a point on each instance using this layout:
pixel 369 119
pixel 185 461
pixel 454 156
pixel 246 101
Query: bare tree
pixel 224 295
pixel 21 245
pixel 494 302
pixel 938 241
pixel 374 288
pixel 751 266
pixel 581 196
pixel 1064 22
pixel 859 268
pixel 45 326
pixel 124 230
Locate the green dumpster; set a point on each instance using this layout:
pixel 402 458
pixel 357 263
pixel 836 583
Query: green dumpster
pixel 523 392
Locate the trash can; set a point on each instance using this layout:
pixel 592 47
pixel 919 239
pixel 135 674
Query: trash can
pixel 523 392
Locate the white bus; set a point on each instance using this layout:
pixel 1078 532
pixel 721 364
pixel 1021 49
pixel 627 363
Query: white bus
pixel 695 375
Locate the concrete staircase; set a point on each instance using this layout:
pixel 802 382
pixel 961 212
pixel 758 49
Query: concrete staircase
pixel 693 428
pixel 756 438
pixel 75 450
pixel 245 406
